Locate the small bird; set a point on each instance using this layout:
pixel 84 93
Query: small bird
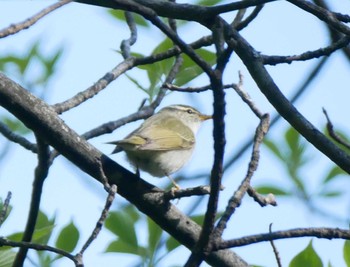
pixel 164 142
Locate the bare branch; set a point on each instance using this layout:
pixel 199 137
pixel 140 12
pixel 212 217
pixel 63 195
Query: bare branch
pixel 178 11
pixel 96 88
pixel 244 23
pixel 326 233
pixel 38 247
pixel 41 172
pixel 126 44
pixel 10 135
pixel 236 199
pixel 262 200
pixel 100 222
pixel 325 51
pixel 253 62
pixel 203 247
pixel 245 96
pixel 333 134
pixel 15 28
pixel 46 123
pixel 275 251
pixel 187 192
pixel 331 18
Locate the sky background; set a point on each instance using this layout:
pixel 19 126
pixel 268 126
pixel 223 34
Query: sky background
pixel 91 37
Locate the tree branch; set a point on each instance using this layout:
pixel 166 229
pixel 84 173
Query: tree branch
pixel 41 172
pixel 15 28
pixel 45 122
pixel 327 233
pixel 38 247
pixel 254 63
pixel 10 135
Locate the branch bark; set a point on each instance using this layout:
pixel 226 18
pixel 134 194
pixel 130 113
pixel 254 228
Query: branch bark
pixel 44 121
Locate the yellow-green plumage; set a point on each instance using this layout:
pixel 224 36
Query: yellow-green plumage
pixel 164 142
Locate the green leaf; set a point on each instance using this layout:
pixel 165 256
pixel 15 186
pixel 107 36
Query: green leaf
pixel 43 228
pixel 40 235
pixel 154 235
pixel 172 244
pixel 292 138
pixel 16 125
pixel 68 237
pixel 333 173
pixel 122 224
pixel 190 70
pixel 274 149
pixel 7 257
pixel 123 247
pixel 331 194
pixel 270 189
pixel 208 2
pixel 346 252
pixel 308 257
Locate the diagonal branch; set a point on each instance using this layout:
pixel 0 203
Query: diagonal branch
pixel 46 123
pixel 15 28
pixel 253 62
pixel 331 18
pixel 10 135
pixel 236 199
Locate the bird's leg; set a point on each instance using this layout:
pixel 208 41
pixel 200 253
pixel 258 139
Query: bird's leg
pixel 137 171
pixel 175 185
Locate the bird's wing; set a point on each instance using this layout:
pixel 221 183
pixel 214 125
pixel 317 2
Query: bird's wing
pixel 132 142
pixel 159 138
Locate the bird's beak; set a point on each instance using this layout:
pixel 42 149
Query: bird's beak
pixel 205 117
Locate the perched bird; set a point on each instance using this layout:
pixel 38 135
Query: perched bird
pixel 164 142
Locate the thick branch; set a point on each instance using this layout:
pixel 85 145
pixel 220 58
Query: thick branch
pixel 175 10
pixel 42 119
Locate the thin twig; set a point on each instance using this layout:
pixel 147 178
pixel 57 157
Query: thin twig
pixel 262 200
pixel 173 87
pixel 4 208
pixel 326 233
pixel 187 192
pixel 332 133
pixel 37 247
pixel 14 28
pixel 10 135
pixel 324 51
pixel 244 23
pixel 41 172
pixel 275 251
pixel 236 199
pixel 245 96
pixel 331 18
pixel 93 90
pixel 127 43
pixel 99 224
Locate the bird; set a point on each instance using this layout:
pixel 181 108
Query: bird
pixel 164 142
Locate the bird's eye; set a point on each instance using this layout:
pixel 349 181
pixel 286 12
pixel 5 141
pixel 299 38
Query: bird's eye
pixel 190 111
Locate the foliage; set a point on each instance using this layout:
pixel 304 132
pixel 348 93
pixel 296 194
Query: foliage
pixel 307 257
pixel 294 155
pixel 67 239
